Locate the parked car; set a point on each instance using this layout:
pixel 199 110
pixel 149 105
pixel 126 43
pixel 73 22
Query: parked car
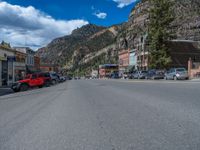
pixel 140 75
pixel 68 78
pixel 62 78
pixel 131 75
pixel 54 78
pixel 47 79
pixel 114 75
pixel 155 74
pixel 176 74
pixel 31 80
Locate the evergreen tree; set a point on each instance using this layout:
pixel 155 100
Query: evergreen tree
pixel 159 32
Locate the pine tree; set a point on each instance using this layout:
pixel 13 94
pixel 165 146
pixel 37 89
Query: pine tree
pixel 160 19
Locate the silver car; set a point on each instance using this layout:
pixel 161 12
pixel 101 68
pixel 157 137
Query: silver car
pixel 140 74
pixel 176 74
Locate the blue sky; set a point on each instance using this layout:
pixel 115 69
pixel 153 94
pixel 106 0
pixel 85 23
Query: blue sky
pixel 27 22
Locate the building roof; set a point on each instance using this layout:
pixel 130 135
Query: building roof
pixel 24 50
pixel 184 47
pixel 181 51
pixel 6 48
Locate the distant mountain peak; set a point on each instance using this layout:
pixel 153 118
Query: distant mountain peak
pixel 87 30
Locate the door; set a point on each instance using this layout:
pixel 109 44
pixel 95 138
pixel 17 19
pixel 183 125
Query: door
pixel 4 72
pixel 171 73
pixel 33 80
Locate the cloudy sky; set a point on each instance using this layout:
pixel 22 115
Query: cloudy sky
pixel 35 23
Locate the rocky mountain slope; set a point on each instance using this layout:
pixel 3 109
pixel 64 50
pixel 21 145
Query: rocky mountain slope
pixel 80 47
pixel 92 45
pixel 186 24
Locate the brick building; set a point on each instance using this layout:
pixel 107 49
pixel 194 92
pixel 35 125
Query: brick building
pixel 107 69
pixel 124 56
pixel 49 67
pixel 182 51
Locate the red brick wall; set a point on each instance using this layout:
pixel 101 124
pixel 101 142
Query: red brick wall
pixel 124 58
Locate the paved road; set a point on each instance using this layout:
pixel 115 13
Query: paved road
pixel 103 115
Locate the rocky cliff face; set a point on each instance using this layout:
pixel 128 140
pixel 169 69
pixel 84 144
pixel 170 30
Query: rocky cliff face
pixel 186 25
pixel 92 45
pixel 187 20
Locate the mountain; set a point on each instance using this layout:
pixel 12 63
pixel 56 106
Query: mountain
pixel 88 47
pixel 80 47
pixel 186 24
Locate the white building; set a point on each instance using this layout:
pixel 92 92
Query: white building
pixel 7 59
pixel 29 57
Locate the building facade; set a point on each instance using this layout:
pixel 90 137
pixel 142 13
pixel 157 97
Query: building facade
pixel 182 51
pixel 7 59
pixel 30 54
pixel 49 68
pixel 106 70
pixel 37 63
pixel 133 59
pixel 124 56
pixel 143 53
pixel 20 65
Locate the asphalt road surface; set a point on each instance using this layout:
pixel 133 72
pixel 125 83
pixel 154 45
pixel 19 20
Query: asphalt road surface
pixel 103 115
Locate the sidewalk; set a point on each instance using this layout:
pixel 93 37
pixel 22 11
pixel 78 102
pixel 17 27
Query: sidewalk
pixel 5 86
pixel 195 80
pixel 4 90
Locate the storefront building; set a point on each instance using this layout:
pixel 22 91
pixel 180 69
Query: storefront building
pixel 49 68
pixel 123 61
pixel 7 59
pixel 29 58
pixel 143 53
pixel 106 70
pixel 20 65
pixel 37 63
pixel 133 60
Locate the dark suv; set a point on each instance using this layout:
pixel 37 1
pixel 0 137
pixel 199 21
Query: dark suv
pixel 54 78
pixel 155 74
pixel 47 79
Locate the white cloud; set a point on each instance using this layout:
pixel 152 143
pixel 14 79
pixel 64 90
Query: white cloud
pixel 98 13
pixel 123 3
pixel 101 15
pixel 27 26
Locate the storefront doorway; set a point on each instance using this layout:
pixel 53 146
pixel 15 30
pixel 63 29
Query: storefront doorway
pixel 4 73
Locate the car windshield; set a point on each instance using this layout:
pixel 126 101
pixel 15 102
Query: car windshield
pixel 180 70
pixel 54 75
pixel 28 76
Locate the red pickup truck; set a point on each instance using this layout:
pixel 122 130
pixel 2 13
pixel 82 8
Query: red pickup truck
pixel 31 80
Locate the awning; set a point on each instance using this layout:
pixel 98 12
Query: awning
pixel 20 67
